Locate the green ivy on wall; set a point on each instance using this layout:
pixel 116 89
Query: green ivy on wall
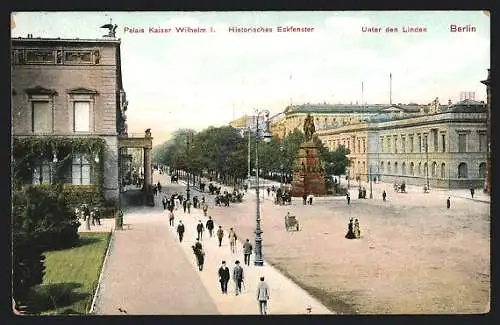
pixel 26 150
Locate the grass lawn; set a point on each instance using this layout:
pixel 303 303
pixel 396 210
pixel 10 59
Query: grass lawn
pixel 71 276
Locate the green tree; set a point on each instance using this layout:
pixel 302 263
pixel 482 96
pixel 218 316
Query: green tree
pixel 42 221
pixel 337 161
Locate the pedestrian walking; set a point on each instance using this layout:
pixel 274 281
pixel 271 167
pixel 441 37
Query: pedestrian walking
pixel 268 191
pixel 357 231
pixel 164 202
pixel 247 251
pixel 205 208
pixel 237 277
pixel 262 296
pixel 189 206
pixel 448 203
pixel 224 277
pixel 384 195
pixel 200 229
pixel 171 218
pixel 184 205
pixel 220 235
pixel 180 230
pixel 159 187
pixel 304 198
pixel 472 192
pixel 199 253
pixel 348 197
pixel 232 240
pixel 210 226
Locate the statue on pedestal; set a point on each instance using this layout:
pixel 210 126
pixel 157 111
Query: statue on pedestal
pixel 309 127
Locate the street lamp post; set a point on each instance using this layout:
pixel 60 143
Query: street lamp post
pixel 371 192
pixel 258 260
pixel 188 190
pixel 427 162
pixel 249 149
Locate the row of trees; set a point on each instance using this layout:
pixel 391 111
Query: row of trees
pixel 222 152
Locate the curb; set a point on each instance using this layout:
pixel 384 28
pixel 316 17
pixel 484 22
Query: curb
pixel 96 293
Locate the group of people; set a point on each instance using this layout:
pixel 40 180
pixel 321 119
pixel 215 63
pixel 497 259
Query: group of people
pixel 85 213
pixel 353 231
pixel 307 199
pixel 224 274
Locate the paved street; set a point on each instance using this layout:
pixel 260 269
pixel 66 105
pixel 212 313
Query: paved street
pixel 415 255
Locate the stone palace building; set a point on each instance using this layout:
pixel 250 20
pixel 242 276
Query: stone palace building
pixel 65 91
pixel 440 145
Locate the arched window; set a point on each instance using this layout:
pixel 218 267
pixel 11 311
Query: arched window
pixel 381 166
pixel 434 169
pixel 462 170
pixel 412 169
pixel 395 167
pixel 419 170
pixel 403 168
pixel 443 170
pixel 482 170
pixel 426 170
pixel 389 167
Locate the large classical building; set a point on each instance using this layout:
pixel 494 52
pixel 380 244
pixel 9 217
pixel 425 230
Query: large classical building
pixel 327 116
pixel 70 89
pixel 440 145
pixel 247 121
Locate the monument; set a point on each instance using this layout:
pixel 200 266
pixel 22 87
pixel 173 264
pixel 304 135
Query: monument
pixel 308 170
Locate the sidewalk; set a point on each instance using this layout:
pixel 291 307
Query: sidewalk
pixel 285 296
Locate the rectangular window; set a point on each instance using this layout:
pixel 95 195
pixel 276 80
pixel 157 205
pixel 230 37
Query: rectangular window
pixel 462 142
pixel 42 173
pixel 482 142
pixel 396 144
pixel 443 138
pixel 382 147
pixel 403 144
pixel 359 145
pixel 426 143
pixel 81 170
pixel 81 116
pixel 412 144
pixel 41 117
pixel 389 144
pixel 364 145
pixel 420 143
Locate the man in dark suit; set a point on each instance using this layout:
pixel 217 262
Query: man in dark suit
pixel 180 230
pixel 223 277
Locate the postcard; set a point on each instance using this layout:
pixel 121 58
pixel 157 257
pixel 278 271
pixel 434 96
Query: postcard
pixel 246 163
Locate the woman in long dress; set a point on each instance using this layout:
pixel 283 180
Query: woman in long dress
pixel 357 231
pixel 350 232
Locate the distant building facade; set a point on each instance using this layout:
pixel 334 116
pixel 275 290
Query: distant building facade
pixel 443 145
pixel 328 116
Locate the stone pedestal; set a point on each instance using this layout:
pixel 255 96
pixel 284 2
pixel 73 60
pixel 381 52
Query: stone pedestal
pixel 308 172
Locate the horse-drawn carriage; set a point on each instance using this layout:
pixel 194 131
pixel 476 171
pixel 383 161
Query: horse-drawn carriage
pixel 291 223
pixel 400 187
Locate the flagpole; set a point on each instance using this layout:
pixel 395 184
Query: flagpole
pixel 390 88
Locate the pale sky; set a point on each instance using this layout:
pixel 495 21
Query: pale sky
pixel 186 80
